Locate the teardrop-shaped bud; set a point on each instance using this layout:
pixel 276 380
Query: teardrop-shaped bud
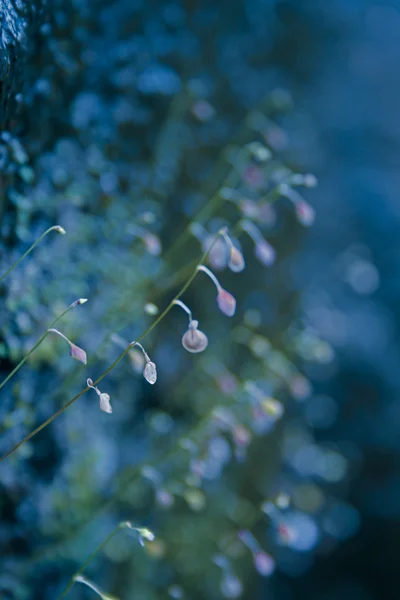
pixel 265 253
pixel 264 563
pixel 194 340
pixel 105 405
pixel 305 213
pixel 226 302
pixel 150 372
pixel 236 260
pixel 78 353
pixel 218 255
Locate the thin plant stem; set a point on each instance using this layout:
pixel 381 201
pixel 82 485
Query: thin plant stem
pixel 211 275
pixel 54 228
pixel 40 340
pixel 117 360
pixel 90 558
pixel 184 307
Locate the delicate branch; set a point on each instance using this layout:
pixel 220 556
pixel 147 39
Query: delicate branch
pixel 57 228
pixel 19 365
pixel 144 534
pixel 89 559
pixel 117 360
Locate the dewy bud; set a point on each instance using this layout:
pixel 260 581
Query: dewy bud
pixel 226 302
pixel 150 372
pixel 194 340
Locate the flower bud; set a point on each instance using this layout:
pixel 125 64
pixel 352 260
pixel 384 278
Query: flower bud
pixel 74 351
pixel 150 372
pixel 264 563
pixel 105 405
pixel 194 340
pixel 305 213
pixel 78 353
pixel 226 302
pixel 236 260
pixel 218 255
pixel 78 302
pixel 265 253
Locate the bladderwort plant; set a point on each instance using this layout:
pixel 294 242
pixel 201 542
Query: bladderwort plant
pixel 247 408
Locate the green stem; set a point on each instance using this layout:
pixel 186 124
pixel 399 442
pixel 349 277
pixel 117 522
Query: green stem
pixel 89 559
pixel 117 360
pixel 19 365
pixel 54 228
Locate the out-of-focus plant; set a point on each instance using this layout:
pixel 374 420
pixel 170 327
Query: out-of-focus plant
pixel 203 456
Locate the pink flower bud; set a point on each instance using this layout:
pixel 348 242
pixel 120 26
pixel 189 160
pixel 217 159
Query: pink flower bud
pixel 305 213
pixel 226 302
pixel 74 351
pixel 236 260
pixel 150 372
pixel 265 253
pixel 194 340
pixel 105 405
pixel 264 563
pixel 78 353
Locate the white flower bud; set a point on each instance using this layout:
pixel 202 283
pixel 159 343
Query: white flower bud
pixel 105 405
pixel 150 372
pixel 194 340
